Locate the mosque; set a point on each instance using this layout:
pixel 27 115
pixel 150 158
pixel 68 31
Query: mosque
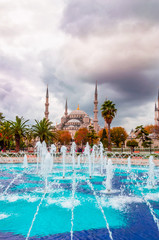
pixel 77 118
pixel 157 112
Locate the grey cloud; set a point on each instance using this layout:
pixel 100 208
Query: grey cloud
pixel 83 17
pixel 121 52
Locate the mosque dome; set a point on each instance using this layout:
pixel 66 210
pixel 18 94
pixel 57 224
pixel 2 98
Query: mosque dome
pixel 78 113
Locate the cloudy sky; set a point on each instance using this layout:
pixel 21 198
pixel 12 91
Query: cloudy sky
pixel 69 44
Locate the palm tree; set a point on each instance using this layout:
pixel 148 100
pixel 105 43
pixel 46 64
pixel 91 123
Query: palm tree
pixel 5 134
pixel 30 137
pixel 44 130
pixel 108 111
pixel 19 129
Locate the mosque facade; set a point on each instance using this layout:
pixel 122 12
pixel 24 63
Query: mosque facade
pixel 157 112
pixel 77 119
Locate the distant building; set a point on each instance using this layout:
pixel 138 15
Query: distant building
pixel 157 112
pixel 77 118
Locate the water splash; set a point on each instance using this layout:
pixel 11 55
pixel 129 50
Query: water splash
pixel 63 150
pixel 16 177
pixel 87 153
pixel 109 176
pixel 53 152
pixel 79 158
pixel 151 174
pixel 100 207
pixel 25 162
pixel 36 213
pixel 129 164
pixel 73 202
pixel 101 157
pixel 73 147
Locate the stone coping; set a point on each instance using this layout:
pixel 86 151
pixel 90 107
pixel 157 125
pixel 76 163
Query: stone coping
pixel 33 159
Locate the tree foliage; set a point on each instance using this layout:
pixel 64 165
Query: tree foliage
pixel 118 135
pixel 19 129
pixel 5 134
pixel 108 111
pixel 64 137
pixel 103 135
pixel 132 144
pixel 152 129
pixel 142 135
pixel 81 136
pixel 1 118
pixel 44 130
pixel 92 136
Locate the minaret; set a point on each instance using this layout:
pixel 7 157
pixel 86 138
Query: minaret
pixel 96 127
pixel 156 115
pixel 157 109
pixel 47 104
pixel 66 113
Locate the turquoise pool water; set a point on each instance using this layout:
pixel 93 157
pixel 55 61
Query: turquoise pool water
pixel 131 208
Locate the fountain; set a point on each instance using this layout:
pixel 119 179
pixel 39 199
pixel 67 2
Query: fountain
pixel 38 147
pixel 93 156
pixel 151 174
pixel 87 153
pixel 63 150
pixel 25 162
pixel 79 158
pixel 73 148
pixel 53 152
pixel 129 163
pixel 101 157
pixel 79 206
pixel 109 176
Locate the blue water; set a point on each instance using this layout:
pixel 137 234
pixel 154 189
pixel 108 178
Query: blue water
pixel 127 207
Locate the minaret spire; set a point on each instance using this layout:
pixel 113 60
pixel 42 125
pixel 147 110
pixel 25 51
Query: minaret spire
pixel 96 93
pixel 156 113
pixel 66 113
pixel 96 126
pixel 47 104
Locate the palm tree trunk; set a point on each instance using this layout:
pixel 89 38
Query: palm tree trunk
pixel 17 140
pixel 109 140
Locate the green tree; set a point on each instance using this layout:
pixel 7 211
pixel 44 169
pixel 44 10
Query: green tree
pixel 142 134
pixel 132 144
pixel 19 129
pixel 44 130
pixel 103 135
pixel 1 118
pixel 29 137
pixel 92 136
pixel 5 134
pixel 108 111
pixel 118 135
